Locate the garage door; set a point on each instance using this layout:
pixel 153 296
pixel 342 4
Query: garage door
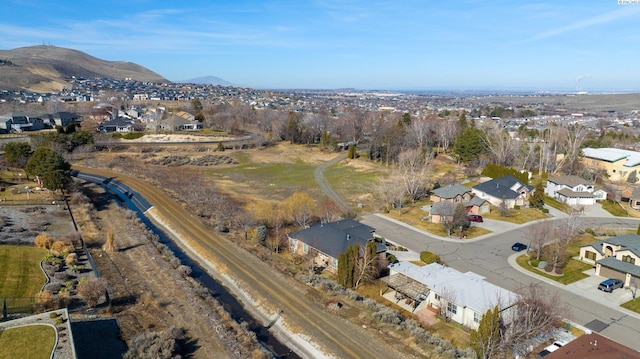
pixel 612 273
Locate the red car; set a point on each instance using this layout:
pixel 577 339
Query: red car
pixel 475 218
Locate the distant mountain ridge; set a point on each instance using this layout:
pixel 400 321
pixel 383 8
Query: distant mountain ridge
pixel 207 80
pixel 45 68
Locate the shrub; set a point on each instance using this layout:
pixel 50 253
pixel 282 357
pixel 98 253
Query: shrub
pixel 71 259
pixel 60 247
pixel 163 344
pixel 175 262
pixel 53 288
pixel 53 315
pixel 132 135
pixel 559 271
pixel 184 270
pixel 516 207
pixel 391 258
pixel 534 262
pixel 429 257
pixel 590 231
pixel 548 268
pixel 544 210
pixel 43 241
pixel 92 290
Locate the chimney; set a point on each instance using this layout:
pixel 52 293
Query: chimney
pixel 348 236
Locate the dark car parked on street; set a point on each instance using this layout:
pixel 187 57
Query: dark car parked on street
pixel 610 284
pixel 519 246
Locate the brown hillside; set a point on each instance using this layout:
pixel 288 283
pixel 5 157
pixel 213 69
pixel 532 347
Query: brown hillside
pixel 44 68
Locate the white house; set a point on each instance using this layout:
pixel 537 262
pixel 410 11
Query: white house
pixel 616 257
pixel 574 190
pixel 467 296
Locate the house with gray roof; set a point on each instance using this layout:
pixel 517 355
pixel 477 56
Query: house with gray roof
pixel 455 194
pixel 326 241
pixel 574 190
pixel 465 297
pixel 505 189
pixel 616 257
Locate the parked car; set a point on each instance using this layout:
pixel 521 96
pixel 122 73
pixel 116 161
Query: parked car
pixel 610 284
pixel 552 348
pixel 519 246
pixel 475 218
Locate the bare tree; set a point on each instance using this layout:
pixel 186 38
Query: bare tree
pixel 366 265
pixel 500 145
pixel 536 312
pixel 390 192
pixel 300 207
pixel 447 132
pixel 329 210
pixel 413 166
pixel 539 234
pixel 92 290
pixel 447 303
pixel 569 141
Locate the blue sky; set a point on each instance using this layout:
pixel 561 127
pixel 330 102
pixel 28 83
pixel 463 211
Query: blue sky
pixel 542 45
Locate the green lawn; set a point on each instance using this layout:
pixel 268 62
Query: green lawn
pixel 552 202
pixel 633 305
pixel 614 208
pixel 572 271
pixel 20 273
pixel 351 182
pixel 413 215
pixel 517 216
pixel 33 342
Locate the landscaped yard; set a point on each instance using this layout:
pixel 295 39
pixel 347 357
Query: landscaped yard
pixel 413 215
pixel 34 342
pixel 20 273
pixel 572 272
pixel 517 216
pixel 633 305
pixel 614 208
pixel 574 269
pixel 552 202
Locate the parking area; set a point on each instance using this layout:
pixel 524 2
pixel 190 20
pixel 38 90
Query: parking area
pixel 588 288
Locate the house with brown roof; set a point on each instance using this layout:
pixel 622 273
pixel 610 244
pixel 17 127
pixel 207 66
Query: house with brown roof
pixel 593 346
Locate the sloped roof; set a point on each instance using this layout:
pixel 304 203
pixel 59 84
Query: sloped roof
pixel 334 238
pixel 476 201
pixel 450 191
pixel 612 262
pixel 570 181
pixel 573 194
pixel 466 289
pixel 629 242
pixel 501 187
pixel 593 346
pixel 444 208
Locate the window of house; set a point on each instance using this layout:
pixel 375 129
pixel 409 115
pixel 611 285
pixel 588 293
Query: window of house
pixel 334 263
pixel 629 259
pixel 437 296
pixel 452 308
pixel 590 255
pixel 477 317
pixel 305 248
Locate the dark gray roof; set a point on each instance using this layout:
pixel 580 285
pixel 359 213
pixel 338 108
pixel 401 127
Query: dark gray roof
pixel 501 187
pixel 444 208
pixel 334 238
pixel 613 263
pixel 450 191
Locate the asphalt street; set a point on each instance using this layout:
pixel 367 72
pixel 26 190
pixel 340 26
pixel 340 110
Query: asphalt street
pixel 491 256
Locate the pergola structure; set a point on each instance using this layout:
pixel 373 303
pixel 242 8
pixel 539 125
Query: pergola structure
pixel 407 287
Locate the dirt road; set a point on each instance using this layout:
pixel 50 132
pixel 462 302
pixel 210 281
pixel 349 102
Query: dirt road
pixel 318 175
pixel 251 278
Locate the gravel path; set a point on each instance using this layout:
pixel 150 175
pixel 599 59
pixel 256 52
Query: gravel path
pixel 318 175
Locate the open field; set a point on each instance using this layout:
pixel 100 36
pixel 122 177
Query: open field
pixel 517 216
pixel 20 273
pixel 33 342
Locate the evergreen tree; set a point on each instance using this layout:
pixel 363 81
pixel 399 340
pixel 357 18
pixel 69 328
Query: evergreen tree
pixel 537 197
pixel 50 167
pixel 633 177
pixel 462 122
pixel 470 144
pixel 17 153
pixel 485 339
